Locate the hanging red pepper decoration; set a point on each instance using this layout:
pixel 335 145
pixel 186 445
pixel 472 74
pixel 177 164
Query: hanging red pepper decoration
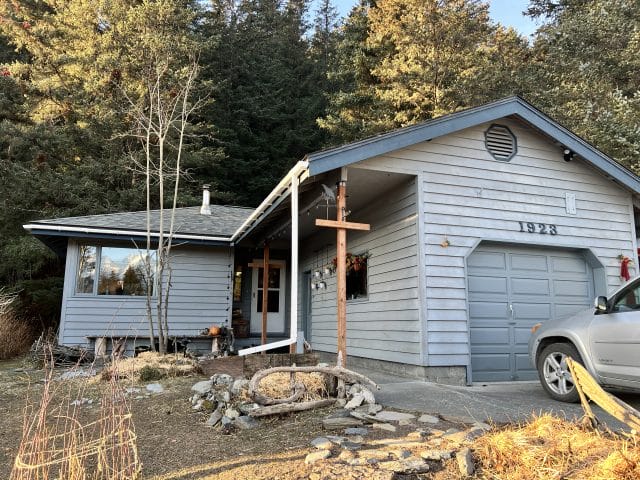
pixel 624 267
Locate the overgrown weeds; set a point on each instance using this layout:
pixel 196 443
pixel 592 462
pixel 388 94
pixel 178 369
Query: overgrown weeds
pixel 552 448
pixel 62 439
pixel 16 334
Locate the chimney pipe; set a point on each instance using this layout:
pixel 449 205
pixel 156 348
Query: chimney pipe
pixel 205 209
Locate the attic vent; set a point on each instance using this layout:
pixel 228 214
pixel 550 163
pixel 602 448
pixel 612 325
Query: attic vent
pixel 500 142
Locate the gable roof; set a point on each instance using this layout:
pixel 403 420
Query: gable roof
pixel 190 225
pixel 350 153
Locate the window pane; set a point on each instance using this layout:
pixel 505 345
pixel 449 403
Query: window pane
pixel 86 269
pixel 274 276
pixel 123 271
pixel 273 301
pixel 357 279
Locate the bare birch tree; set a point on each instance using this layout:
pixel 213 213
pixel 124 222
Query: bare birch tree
pixel 160 126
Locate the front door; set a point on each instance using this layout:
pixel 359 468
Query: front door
pixel 275 298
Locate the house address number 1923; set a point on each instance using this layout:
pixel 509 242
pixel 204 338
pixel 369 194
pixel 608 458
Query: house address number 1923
pixel 541 228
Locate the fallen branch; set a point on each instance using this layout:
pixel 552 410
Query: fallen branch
pixel 291 407
pixel 348 376
pixel 588 387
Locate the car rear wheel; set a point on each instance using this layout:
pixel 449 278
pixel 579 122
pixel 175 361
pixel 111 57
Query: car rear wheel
pixel 554 372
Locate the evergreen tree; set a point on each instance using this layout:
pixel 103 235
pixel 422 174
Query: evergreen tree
pixel 585 71
pixel 405 61
pixel 265 94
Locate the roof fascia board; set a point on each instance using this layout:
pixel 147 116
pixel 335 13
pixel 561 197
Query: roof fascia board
pixel 322 162
pixel 69 231
pixel 273 200
pixel 578 146
pixel 130 238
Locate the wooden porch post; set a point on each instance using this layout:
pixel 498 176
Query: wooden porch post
pixel 341 226
pixel 341 274
pixel 265 292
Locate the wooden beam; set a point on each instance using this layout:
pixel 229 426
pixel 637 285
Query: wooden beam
pixel 341 273
pixel 340 224
pixel 265 293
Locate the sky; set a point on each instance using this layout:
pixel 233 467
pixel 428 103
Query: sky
pixel 507 12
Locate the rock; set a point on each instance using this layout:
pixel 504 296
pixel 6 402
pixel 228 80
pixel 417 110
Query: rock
pixel 335 439
pixel 436 455
pixel 238 386
pixel 81 401
pixel 409 465
pixel 202 388
pixel 419 434
pixel 247 408
pixel 466 436
pixel 374 408
pixel 314 457
pixel 391 416
pixel 214 418
pixel 226 420
pixel 369 398
pixel 362 416
pixel 346 455
pixel 384 426
pixel 356 439
pixel 222 379
pixel 72 374
pixel 356 401
pixel 401 453
pixel 323 365
pixel 155 388
pixel 429 419
pixel 404 423
pixel 132 390
pixel 339 414
pixel 245 422
pixel 223 396
pixel 377 455
pixel 322 443
pixel 356 431
pixel 198 405
pixel 348 445
pixel 465 462
pixel 340 423
pixel 341 402
pixel 484 426
pixel 231 413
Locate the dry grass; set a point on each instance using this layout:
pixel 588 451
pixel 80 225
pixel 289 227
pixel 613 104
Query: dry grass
pixel 59 440
pixel 278 385
pixel 165 365
pixel 16 334
pixel 552 448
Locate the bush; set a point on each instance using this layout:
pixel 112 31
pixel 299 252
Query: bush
pixel 16 334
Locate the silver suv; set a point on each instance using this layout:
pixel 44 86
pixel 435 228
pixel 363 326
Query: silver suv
pixel 605 339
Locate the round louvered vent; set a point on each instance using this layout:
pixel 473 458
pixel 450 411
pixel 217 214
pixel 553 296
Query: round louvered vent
pixel 500 142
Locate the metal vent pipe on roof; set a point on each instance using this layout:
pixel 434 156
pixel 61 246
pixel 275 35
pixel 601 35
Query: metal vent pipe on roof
pixel 205 209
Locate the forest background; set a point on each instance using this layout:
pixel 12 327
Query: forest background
pixel 279 79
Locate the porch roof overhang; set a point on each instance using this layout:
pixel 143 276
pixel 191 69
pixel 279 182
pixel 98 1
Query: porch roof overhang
pixel 515 106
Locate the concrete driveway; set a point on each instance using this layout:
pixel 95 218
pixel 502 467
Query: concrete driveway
pixel 497 402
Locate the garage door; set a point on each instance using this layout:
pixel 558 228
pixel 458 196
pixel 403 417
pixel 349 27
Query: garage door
pixel 511 289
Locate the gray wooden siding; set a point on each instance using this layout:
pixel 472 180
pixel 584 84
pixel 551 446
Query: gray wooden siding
pixel 200 296
pixel 468 196
pixel 386 325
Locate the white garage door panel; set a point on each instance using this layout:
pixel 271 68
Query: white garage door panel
pixel 512 288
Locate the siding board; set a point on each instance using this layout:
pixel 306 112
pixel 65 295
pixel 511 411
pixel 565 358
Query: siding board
pixel 468 197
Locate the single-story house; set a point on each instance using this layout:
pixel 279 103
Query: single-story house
pixel 482 223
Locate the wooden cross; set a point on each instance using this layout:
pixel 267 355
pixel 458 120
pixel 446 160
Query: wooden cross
pixel 341 227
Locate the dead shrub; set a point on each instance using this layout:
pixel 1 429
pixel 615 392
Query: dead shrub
pixel 149 366
pixel 552 448
pixel 16 334
pixel 61 441
pixel 278 385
